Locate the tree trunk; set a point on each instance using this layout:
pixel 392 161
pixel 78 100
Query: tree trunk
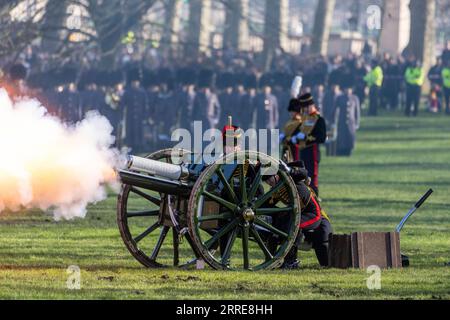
pixel 422 39
pixel 275 29
pixel 112 20
pixel 198 28
pixel 54 20
pixel 322 26
pixel 170 38
pixel 236 27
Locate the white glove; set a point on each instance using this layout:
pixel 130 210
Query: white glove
pixel 298 137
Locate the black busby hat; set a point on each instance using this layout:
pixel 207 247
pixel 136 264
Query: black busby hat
pixel 38 81
pixel 239 78
pixel 294 105
pixel 88 77
pixel 250 81
pixel 149 78
pixel 165 76
pixel 347 80
pixel 266 80
pixel 205 78
pixel 186 76
pixel 134 74
pixel 67 75
pixel 110 78
pixel 18 72
pixel 306 100
pixel 225 80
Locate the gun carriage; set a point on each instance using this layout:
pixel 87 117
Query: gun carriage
pixel 229 213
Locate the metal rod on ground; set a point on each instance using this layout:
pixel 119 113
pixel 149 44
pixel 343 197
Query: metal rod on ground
pixel 413 209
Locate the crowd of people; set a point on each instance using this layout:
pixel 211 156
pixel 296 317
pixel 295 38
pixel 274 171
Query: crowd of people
pixel 146 102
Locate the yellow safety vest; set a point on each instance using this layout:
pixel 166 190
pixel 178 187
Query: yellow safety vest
pixel 446 77
pixel 415 76
pixel 375 77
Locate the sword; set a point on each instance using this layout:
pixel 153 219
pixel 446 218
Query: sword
pixel 413 209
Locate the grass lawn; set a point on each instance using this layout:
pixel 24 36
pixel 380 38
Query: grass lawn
pixel 396 160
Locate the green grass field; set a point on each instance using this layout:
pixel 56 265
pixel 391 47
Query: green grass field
pixel 396 160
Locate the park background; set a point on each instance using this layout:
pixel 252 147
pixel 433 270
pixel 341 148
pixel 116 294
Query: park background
pixel 395 161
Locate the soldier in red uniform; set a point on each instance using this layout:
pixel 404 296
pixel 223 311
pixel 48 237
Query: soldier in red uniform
pixel 305 142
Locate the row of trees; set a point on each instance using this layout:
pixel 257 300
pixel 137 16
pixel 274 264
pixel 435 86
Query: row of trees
pixel 110 21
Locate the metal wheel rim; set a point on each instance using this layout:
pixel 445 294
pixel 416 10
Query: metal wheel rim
pixel 203 247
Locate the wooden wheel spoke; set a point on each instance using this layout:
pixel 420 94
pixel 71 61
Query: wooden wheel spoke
pixel 146 232
pixel 221 216
pixel 149 213
pixel 146 196
pixel 269 194
pixel 261 243
pixel 271 228
pixel 162 237
pixel 271 211
pixel 227 185
pixel 208 244
pixel 245 235
pixel 255 185
pixel 219 200
pixel 243 184
pixel 176 248
pixel 227 251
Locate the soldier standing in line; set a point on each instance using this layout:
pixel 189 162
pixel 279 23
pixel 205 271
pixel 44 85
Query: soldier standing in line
pixel 414 77
pixel 69 101
pixel 134 103
pixel 151 128
pixel 206 105
pixel 112 86
pixel 92 98
pixel 249 103
pixel 225 85
pixel 267 105
pixel 374 80
pixel 239 95
pixel 348 113
pixel 166 110
pixel 281 90
pixel 185 96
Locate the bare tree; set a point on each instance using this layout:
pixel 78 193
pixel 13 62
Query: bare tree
pixel 54 21
pixel 275 28
pixel 112 20
pixel 170 37
pixel 198 27
pixel 236 25
pixel 422 40
pixel 322 26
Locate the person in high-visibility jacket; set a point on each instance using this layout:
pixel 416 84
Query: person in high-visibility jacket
pixel 415 78
pixel 374 80
pixel 446 85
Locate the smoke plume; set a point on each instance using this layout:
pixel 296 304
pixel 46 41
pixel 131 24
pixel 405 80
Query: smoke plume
pixel 52 166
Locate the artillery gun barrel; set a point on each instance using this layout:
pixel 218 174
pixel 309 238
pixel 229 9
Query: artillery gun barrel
pixel 157 168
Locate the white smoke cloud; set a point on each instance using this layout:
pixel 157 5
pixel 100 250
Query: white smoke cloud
pixel 49 165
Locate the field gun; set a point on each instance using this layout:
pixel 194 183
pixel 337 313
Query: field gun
pixel 224 210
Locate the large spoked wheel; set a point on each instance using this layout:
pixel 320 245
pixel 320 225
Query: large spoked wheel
pixel 150 222
pixel 244 213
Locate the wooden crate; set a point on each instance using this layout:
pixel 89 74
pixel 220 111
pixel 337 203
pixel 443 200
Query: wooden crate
pixel 363 249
